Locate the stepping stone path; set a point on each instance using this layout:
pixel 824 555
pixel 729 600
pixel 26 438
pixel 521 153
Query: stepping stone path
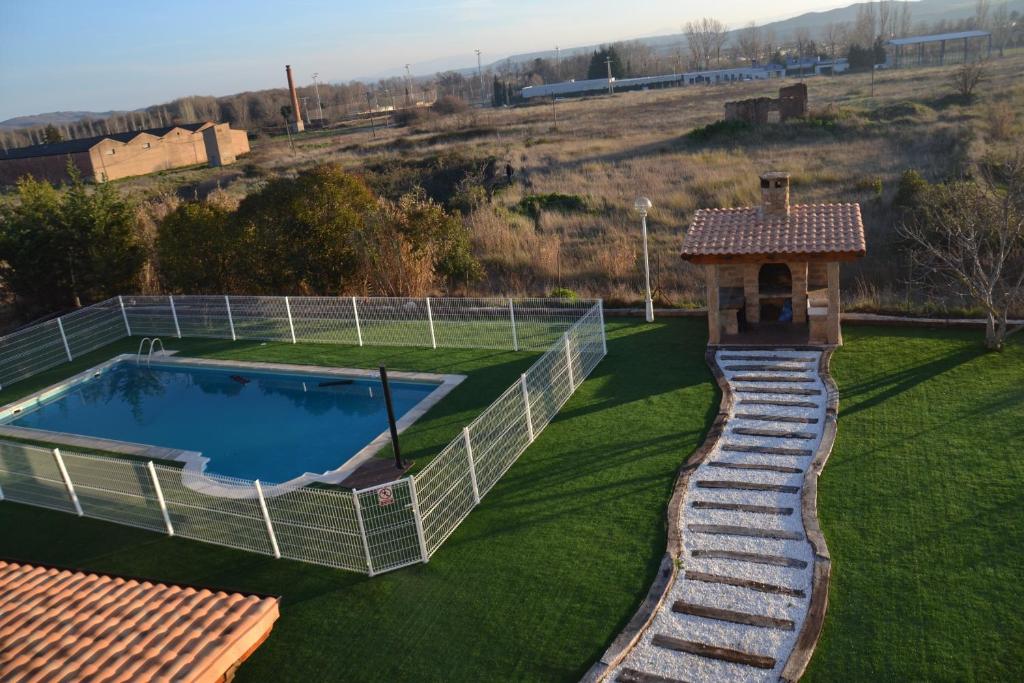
pixel 743 588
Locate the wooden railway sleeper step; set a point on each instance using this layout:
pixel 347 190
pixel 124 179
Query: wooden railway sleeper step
pixel 753 558
pixel 767 417
pixel 745 486
pixel 774 433
pixel 759 586
pixel 779 391
pixel 766 450
pixel 732 616
pixel 767 357
pixel 782 403
pixel 741 507
pixel 757 467
pixel 627 675
pixel 751 532
pixel 773 379
pixel 713 652
pixel 764 367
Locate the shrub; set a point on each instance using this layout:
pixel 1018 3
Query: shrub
pixel 1001 121
pixel 449 105
pixel 564 293
pixel 719 130
pixel 533 205
pixel 411 116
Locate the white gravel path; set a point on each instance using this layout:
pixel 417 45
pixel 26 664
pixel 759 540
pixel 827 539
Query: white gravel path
pixel 776 643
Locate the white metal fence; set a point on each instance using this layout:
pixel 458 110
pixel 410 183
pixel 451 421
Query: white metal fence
pixel 371 530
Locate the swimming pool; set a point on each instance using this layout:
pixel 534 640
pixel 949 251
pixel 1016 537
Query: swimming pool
pixel 247 420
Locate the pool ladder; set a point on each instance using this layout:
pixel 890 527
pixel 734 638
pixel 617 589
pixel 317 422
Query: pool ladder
pixel 149 354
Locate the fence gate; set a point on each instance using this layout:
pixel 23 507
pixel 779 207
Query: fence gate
pixel 390 523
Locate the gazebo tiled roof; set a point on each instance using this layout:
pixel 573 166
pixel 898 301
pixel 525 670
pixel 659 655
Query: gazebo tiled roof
pixel 832 232
pixel 61 624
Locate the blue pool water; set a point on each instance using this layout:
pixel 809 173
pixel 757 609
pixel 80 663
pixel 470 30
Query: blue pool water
pixel 254 425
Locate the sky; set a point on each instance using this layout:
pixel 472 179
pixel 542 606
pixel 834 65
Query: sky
pixel 69 55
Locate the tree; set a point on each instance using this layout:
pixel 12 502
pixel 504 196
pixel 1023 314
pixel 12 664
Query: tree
pixel 599 63
pixel 1002 27
pixel 66 248
pixel 831 36
pixel 51 134
pixel 748 41
pixel 969 236
pixel 298 231
pixel 705 39
pixel 198 248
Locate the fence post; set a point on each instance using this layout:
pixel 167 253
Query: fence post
pixel 174 313
pixel 526 404
pixel 67 481
pixel 568 362
pixel 124 314
pixel 515 335
pixel 291 324
pixel 430 319
pixel 604 340
pixel 472 465
pixel 160 498
pixel 231 319
pixel 64 338
pixel 266 518
pixel 355 313
pixel 418 519
pixel 362 533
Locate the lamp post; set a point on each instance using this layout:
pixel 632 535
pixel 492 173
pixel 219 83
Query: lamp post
pixel 643 205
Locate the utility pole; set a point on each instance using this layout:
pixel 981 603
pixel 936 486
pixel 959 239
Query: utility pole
pixel 611 84
pixel 369 107
pixel 558 64
pixel 319 107
pixel 408 86
pixel 480 77
pixel 305 109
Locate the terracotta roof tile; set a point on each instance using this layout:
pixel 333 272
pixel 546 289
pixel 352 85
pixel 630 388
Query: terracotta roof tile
pixel 58 624
pixel 810 229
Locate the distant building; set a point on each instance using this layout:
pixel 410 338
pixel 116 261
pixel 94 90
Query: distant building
pixel 937 49
pixel 119 155
pixel 757 72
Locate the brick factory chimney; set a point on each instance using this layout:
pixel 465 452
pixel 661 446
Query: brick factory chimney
pixel 775 195
pixel 296 124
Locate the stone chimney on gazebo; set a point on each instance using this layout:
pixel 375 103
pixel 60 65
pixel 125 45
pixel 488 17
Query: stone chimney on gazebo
pixel 775 195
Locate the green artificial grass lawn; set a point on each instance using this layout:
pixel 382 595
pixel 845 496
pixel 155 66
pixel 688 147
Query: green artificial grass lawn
pixel 922 505
pixel 535 583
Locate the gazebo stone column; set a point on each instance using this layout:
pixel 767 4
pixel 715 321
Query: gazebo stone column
pixel 714 322
pixel 799 274
pixel 752 292
pixel 834 334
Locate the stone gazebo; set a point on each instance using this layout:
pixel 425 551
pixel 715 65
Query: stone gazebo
pixel 772 271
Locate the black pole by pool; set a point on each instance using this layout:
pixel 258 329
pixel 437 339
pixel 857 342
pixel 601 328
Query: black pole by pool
pixel 391 416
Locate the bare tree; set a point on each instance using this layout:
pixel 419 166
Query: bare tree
pixel 981 14
pixel 970 237
pixel 905 22
pixel 831 36
pixel 748 40
pixel 705 39
pixel 885 16
pixel 864 31
pixel 1002 27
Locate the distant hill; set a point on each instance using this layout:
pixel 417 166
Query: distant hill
pixel 57 118
pixel 928 11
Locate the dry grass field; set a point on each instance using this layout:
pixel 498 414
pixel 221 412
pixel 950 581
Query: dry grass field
pixel 601 152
